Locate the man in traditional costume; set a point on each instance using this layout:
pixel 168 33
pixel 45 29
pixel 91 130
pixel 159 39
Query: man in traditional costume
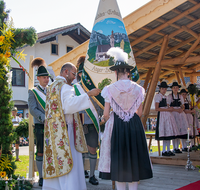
pixel 36 104
pixel 90 125
pixel 64 139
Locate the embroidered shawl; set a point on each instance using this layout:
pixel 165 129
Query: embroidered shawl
pixel 57 153
pixel 125 98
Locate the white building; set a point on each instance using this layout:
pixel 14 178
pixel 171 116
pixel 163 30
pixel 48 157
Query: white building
pixel 50 46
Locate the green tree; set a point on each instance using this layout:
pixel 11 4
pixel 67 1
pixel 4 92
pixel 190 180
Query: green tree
pixel 10 40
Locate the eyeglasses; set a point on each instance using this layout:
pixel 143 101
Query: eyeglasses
pixel 73 73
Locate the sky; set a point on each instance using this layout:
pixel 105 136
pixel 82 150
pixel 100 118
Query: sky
pixel 45 15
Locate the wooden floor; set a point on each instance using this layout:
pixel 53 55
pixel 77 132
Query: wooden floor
pixel 165 177
pixel 178 159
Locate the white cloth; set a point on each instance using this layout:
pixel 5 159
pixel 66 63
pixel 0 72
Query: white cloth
pixel 75 179
pixel 180 118
pixel 167 123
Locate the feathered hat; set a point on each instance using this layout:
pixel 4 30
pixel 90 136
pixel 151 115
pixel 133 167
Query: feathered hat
pixel 120 58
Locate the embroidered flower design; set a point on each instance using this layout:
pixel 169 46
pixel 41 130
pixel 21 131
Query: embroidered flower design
pixel 62 124
pixel 69 161
pixel 49 160
pixel 47 142
pixel 61 144
pixel 54 106
pixel 60 162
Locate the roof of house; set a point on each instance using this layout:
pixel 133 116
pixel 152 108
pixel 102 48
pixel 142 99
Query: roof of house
pixel 76 31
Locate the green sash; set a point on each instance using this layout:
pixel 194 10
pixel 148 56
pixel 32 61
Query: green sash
pixel 92 113
pixel 41 97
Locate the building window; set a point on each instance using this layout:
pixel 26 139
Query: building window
pixel 69 48
pixel 54 49
pixel 18 77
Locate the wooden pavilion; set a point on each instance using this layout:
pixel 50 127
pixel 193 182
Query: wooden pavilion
pixel 164 35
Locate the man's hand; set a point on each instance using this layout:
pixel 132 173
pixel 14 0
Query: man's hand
pixel 94 92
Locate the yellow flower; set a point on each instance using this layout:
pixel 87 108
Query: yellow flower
pixel 1 39
pixel 21 56
pixel 7 54
pixel 9 34
pixel 2 174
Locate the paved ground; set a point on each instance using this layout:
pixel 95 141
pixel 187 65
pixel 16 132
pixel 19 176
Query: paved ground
pixel 166 177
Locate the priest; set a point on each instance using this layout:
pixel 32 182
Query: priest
pixel 64 139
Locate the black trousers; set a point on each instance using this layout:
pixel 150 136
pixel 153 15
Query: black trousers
pixel 39 136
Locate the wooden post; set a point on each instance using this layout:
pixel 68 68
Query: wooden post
pixel 182 77
pixel 147 78
pixel 154 81
pixel 193 79
pixel 31 135
pixel 177 76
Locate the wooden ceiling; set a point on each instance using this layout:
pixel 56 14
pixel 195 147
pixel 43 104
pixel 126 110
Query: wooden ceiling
pixel 176 20
pixel 181 57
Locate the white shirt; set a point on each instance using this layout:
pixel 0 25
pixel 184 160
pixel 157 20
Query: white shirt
pixel 72 103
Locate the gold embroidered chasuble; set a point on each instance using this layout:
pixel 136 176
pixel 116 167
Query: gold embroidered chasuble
pixel 57 153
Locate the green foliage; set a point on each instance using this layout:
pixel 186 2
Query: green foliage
pixel 92 53
pixel 22 129
pixel 16 183
pixel 3 13
pixel 104 83
pixel 111 61
pixel 6 126
pixel 24 36
pixel 7 164
pixel 192 89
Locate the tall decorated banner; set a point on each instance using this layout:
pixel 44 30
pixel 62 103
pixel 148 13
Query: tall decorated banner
pixel 108 31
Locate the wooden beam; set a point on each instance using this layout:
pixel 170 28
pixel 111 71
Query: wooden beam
pixel 190 50
pixel 181 15
pixel 188 30
pixel 154 81
pixel 182 77
pixel 165 73
pixel 197 66
pixel 195 74
pixel 193 2
pixel 177 77
pixel 161 40
pixel 177 69
pixel 171 78
pixel 180 45
pixel 147 78
pixel 167 62
pixel 193 79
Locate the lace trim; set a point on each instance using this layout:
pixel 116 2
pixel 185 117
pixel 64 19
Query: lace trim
pixel 125 115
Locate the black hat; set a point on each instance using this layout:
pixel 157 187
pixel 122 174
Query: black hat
pixel 121 64
pixel 163 85
pixel 175 84
pixel 42 71
pixel 183 91
pixel 80 68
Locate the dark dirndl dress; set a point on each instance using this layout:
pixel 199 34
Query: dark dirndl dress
pixel 130 161
pixel 162 103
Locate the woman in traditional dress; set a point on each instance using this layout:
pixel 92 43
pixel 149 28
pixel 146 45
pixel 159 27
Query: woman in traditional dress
pixel 166 128
pixel 176 101
pixel 124 155
pixel 188 111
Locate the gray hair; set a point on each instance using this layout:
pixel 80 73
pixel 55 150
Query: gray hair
pixel 67 66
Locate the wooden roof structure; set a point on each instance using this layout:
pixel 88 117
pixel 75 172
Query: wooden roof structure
pixel 165 36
